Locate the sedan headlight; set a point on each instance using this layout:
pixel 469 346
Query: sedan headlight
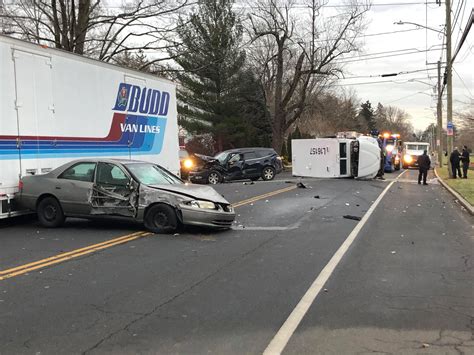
pixel 408 159
pixel 389 148
pixel 208 205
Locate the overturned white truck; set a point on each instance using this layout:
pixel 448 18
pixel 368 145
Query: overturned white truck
pixel 336 157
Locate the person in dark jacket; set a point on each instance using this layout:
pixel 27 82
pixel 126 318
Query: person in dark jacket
pixel 424 164
pixel 465 161
pixel 454 160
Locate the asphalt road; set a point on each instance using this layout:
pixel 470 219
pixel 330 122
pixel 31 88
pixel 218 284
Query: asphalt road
pixel 405 285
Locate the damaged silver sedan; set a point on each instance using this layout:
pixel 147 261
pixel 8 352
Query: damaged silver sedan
pixel 138 190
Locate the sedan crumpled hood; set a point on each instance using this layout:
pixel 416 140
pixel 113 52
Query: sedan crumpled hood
pixel 198 192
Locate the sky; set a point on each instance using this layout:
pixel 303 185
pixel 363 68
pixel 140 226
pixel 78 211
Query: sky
pixel 412 92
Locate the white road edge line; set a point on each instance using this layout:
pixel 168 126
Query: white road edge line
pixel 281 338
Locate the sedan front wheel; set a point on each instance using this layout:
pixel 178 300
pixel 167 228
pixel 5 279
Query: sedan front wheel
pixel 161 219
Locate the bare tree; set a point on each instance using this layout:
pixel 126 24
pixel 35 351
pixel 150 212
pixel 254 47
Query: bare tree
pixel 395 120
pixel 297 56
pixel 94 27
pixel 328 113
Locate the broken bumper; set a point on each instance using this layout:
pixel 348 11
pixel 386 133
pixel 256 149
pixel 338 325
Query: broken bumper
pixel 207 218
pixel 198 176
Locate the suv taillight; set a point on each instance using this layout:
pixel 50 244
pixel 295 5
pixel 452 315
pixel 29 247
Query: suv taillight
pixel 20 185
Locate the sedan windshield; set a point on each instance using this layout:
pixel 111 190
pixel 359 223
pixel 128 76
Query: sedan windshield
pixel 151 174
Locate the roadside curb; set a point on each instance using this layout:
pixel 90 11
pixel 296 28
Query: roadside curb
pixel 453 192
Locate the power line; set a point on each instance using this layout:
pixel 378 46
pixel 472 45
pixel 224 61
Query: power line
pixel 387 75
pixel 343 5
pixel 382 82
pixel 462 81
pixel 384 56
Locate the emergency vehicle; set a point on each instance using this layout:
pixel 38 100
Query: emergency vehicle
pixel 56 106
pixel 336 157
pixel 392 146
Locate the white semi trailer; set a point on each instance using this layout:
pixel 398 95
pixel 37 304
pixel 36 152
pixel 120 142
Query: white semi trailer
pixel 336 157
pixel 56 106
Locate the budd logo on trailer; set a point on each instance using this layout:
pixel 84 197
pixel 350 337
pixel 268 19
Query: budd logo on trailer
pixel 133 98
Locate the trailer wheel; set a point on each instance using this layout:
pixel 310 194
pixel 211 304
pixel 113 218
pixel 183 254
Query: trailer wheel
pixel 50 212
pixel 161 218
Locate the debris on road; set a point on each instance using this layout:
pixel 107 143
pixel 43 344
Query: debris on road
pixel 347 204
pixel 317 196
pixel 248 183
pixel 355 218
pixel 301 185
pixel 394 252
pixel 426 345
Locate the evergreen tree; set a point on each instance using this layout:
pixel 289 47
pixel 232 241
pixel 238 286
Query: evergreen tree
pixel 368 116
pixel 211 59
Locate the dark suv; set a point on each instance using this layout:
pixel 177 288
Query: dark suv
pixel 236 164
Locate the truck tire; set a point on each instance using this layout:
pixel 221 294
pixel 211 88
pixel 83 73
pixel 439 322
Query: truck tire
pixel 50 213
pixel 214 178
pixel 161 219
pixel 268 173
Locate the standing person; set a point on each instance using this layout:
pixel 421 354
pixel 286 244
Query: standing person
pixel 454 159
pixel 424 164
pixel 465 161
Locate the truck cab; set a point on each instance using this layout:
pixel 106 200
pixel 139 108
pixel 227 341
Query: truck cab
pixel 411 152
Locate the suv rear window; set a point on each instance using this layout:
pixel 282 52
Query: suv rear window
pixel 250 155
pixel 264 153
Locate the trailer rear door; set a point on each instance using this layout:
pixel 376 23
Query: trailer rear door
pixel 34 104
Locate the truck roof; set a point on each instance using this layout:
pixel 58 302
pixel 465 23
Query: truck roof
pixel 46 49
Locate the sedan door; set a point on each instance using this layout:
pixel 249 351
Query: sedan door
pixel 114 191
pixel 73 188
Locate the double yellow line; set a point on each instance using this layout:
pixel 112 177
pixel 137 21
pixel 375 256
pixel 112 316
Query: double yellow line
pixel 260 197
pixel 23 269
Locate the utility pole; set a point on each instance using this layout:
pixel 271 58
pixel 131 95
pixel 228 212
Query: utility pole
pixel 449 75
pixel 439 112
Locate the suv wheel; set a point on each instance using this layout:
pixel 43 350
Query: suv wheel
pixel 213 178
pixel 268 173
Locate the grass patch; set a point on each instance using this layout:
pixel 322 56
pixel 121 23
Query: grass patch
pixel 465 187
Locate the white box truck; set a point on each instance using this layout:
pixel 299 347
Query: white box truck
pixel 411 152
pixel 336 157
pixel 56 106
